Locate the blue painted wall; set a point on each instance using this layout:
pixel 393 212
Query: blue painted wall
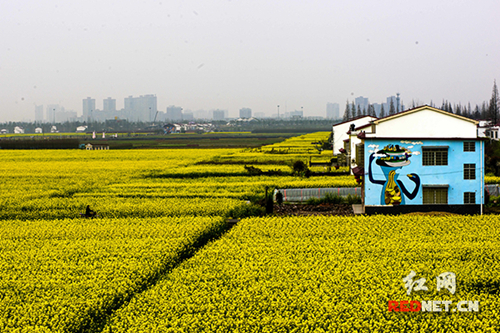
pixel 409 176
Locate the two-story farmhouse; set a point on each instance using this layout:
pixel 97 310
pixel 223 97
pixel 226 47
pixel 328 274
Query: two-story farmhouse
pixel 423 159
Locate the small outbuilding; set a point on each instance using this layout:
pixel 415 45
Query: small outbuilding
pixel 90 146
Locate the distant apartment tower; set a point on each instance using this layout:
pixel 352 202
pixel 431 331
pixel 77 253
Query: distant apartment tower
pixel 201 114
pixel 109 105
pixel 51 111
pixel 332 111
pixel 378 108
pixel 147 107
pixel 142 108
pixel 38 113
pixel 174 112
pixel 245 113
pixel 362 102
pixel 187 115
pixel 88 108
pixel 218 114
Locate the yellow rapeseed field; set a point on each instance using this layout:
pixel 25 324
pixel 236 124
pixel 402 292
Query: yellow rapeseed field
pixel 327 274
pixel 131 270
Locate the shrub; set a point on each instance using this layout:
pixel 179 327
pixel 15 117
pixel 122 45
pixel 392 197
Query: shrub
pixel 300 169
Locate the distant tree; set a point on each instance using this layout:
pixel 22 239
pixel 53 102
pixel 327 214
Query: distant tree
pixel 484 111
pixel 359 114
pixel 347 112
pixel 477 113
pixel 494 106
pixel 382 111
pixel 413 104
pixel 392 110
pixel 444 107
pixel 353 109
pixel 458 109
pixel 371 111
pixel 450 108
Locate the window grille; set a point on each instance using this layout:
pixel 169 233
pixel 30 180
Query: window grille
pixel 469 198
pixel 469 171
pixel 434 156
pixel 360 154
pixel 435 195
pixel 469 146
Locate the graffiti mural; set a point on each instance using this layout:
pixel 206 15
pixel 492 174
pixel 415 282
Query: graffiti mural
pixel 390 159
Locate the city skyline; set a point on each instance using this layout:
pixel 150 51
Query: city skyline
pixel 227 55
pixel 136 109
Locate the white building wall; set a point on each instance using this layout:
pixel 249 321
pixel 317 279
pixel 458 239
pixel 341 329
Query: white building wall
pixel 432 124
pixel 340 131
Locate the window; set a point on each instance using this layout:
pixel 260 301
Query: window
pixel 360 154
pixel 435 156
pixel 469 146
pixel 435 195
pixel 469 171
pixel 347 146
pixel 469 197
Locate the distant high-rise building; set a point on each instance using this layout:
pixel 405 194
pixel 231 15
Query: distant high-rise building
pixel 174 112
pixel 51 111
pixel 187 115
pixel 129 103
pixel 332 111
pixel 109 105
pixel 201 114
pixel 362 102
pixel 218 114
pixel 142 108
pixel 377 107
pixel 88 109
pixel 150 103
pixel 245 113
pixel 38 113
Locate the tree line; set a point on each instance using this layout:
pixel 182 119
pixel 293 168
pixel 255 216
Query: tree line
pixel 488 110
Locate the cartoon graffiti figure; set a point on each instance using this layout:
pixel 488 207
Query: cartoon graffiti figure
pixel 391 158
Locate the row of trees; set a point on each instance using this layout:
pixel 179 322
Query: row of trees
pixel 486 111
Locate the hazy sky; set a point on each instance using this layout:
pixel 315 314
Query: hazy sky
pixel 207 54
